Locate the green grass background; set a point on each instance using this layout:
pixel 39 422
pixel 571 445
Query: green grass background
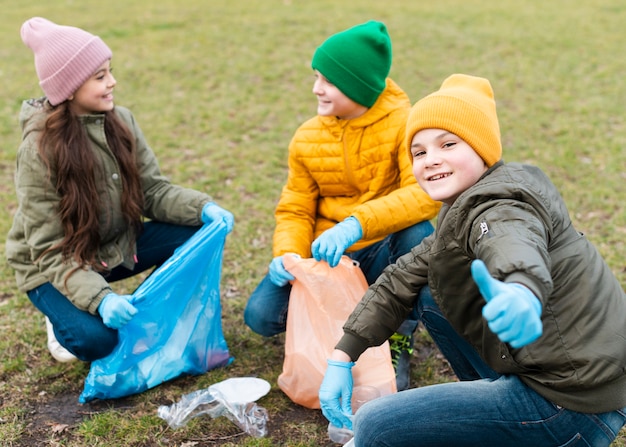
pixel 219 86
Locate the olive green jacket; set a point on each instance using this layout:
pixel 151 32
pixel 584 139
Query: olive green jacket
pixel 37 226
pixel 515 220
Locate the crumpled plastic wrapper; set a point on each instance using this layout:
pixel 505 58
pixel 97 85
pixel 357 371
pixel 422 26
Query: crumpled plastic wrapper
pixel 232 398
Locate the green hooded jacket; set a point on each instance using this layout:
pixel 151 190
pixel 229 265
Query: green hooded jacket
pixel 515 220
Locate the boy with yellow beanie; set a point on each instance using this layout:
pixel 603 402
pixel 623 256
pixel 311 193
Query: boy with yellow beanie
pixel 532 296
pixel 350 189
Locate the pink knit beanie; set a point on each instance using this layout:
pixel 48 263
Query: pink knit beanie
pixel 65 57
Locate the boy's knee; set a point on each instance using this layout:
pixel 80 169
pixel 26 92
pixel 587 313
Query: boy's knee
pixel 249 316
pixel 254 319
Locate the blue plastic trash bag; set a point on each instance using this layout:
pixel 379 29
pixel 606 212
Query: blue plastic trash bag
pixel 178 327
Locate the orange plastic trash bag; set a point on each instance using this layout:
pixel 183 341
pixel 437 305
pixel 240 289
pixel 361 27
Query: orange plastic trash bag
pixel 321 300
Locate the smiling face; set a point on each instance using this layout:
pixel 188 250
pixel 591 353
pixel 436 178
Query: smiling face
pixel 332 102
pixel 444 164
pixel 96 94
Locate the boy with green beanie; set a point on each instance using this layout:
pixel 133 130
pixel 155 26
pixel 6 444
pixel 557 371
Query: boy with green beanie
pixel 531 295
pixel 350 189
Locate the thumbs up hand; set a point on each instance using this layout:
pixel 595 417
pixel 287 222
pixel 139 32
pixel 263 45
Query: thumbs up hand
pixel 512 311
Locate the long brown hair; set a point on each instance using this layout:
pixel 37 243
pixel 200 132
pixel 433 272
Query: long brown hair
pixel 73 167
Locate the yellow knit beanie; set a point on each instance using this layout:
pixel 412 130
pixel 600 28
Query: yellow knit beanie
pixel 464 106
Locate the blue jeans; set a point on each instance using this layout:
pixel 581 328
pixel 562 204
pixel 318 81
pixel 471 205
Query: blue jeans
pixel 464 360
pixel 84 334
pixel 266 310
pixel 498 412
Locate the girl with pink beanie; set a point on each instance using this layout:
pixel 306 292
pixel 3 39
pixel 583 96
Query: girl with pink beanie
pixel 86 179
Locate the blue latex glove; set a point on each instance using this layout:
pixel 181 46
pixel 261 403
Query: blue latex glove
pixel 512 311
pixel 332 243
pixel 336 393
pixel 278 274
pixel 212 212
pixel 116 310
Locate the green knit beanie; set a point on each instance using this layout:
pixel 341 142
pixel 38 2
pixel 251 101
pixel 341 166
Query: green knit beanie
pixel 357 61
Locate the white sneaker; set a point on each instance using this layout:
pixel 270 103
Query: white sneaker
pixel 58 352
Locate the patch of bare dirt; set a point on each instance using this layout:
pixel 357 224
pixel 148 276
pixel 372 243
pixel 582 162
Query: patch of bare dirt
pixel 54 416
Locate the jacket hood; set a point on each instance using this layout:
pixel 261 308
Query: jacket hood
pixel 33 115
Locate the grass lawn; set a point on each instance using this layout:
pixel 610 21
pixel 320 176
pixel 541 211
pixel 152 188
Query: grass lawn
pixel 219 87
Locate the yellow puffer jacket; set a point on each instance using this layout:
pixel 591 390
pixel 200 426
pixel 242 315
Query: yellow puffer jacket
pixel 358 167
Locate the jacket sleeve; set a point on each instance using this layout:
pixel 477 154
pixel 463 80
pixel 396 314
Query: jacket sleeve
pixel 163 201
pixel 296 210
pixel 401 208
pixel 387 302
pixel 42 229
pixel 512 238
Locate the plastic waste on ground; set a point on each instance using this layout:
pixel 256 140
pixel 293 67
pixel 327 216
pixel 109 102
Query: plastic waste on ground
pixel 350 443
pixel 360 396
pixel 340 435
pixel 178 327
pixel 232 398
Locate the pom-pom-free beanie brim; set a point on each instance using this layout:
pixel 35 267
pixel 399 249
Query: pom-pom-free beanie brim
pixel 464 106
pixel 357 61
pixel 65 56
